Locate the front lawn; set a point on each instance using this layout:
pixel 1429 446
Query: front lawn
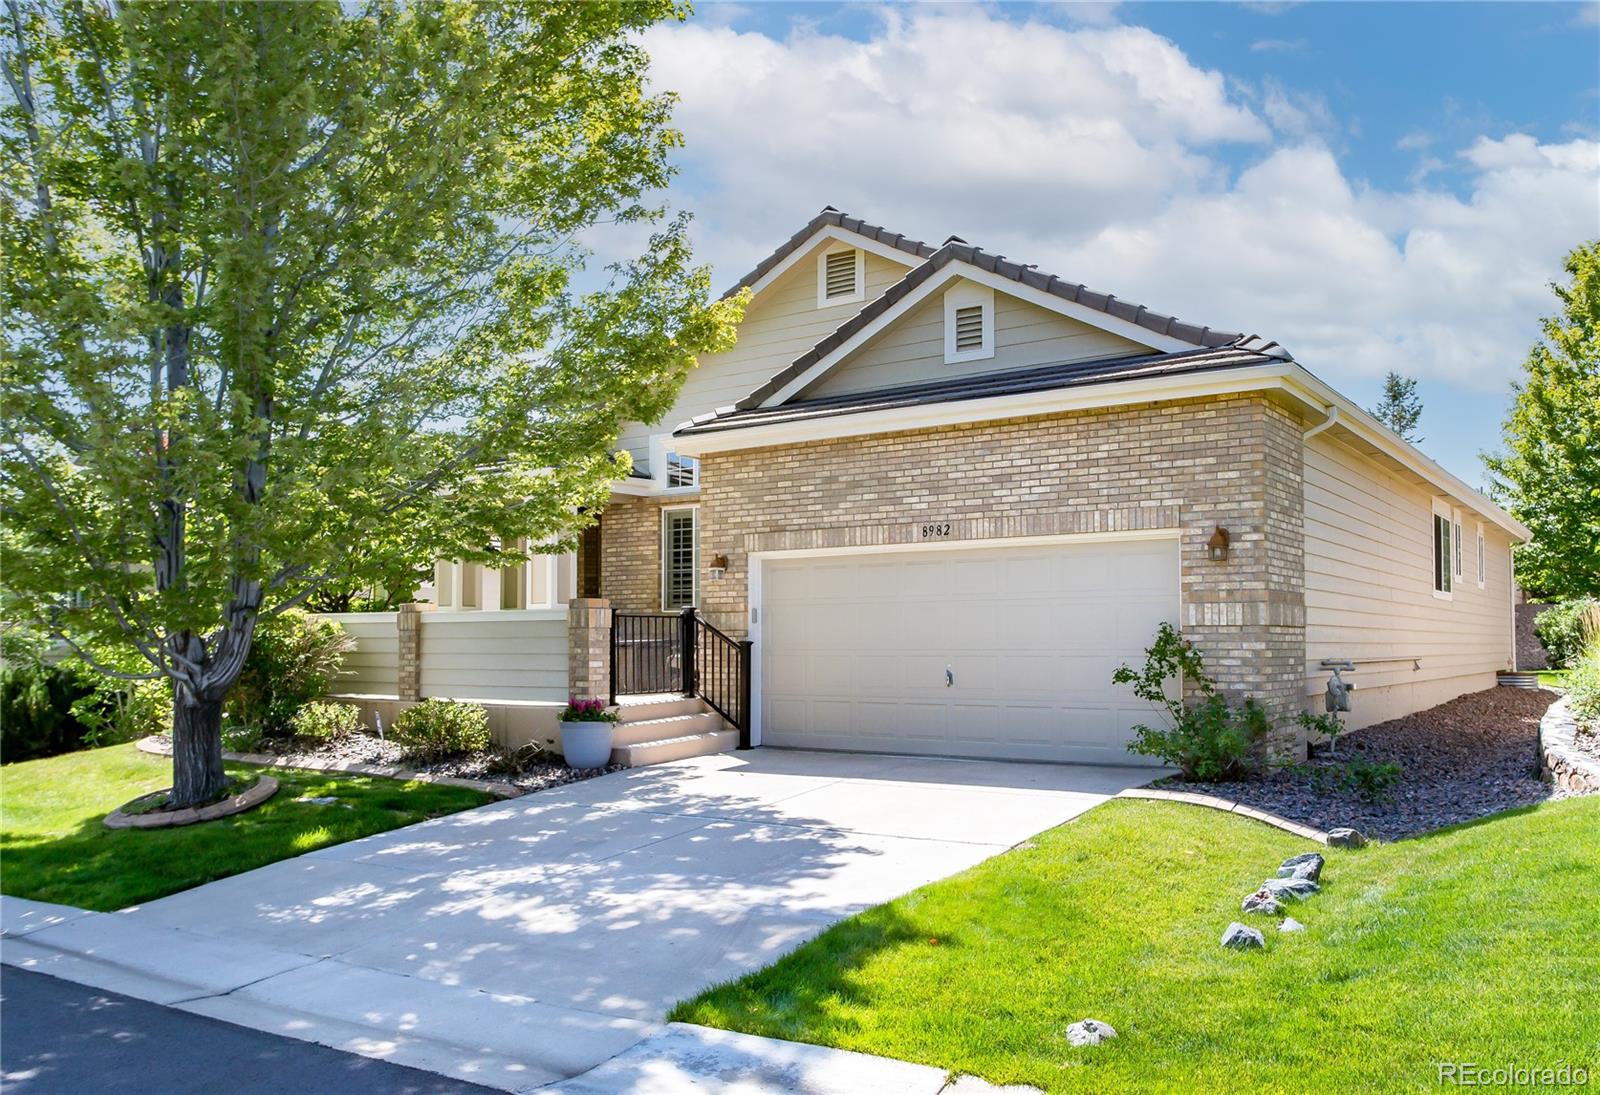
pixel 1473 944
pixel 1552 678
pixel 54 848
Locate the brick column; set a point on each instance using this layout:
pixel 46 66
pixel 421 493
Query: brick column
pixel 408 676
pixel 589 648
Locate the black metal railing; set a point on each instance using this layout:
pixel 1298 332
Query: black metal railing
pixel 679 652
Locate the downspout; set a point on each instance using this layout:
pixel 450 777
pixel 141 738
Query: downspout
pixel 1333 416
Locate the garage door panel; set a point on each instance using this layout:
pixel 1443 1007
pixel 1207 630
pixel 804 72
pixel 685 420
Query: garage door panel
pixel 854 649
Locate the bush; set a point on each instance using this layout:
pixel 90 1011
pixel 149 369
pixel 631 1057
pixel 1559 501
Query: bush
pixel 1210 741
pixel 51 708
pixel 326 721
pixel 1567 628
pixel 293 660
pixel 435 729
pixel 1365 779
pixel 1583 684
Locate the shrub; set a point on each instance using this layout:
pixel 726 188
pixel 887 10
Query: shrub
pixel 1567 628
pixel 1211 740
pixel 1365 779
pixel 1583 684
pixel 293 660
pixel 48 708
pixel 435 729
pixel 326 721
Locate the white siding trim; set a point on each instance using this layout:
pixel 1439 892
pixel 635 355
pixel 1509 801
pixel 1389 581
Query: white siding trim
pixel 667 512
pixel 849 239
pixel 858 294
pixel 967 295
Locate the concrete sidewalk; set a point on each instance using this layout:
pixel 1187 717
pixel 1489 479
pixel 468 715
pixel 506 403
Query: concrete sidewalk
pixel 526 942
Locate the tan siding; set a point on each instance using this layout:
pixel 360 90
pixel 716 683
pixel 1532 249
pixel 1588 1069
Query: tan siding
pixel 373 666
pixel 912 349
pixel 469 656
pixel 1369 590
pixel 782 323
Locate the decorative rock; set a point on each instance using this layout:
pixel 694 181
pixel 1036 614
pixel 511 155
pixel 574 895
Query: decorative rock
pixel 1290 924
pixel 318 800
pixel 1089 1032
pixel 1304 865
pixel 1297 888
pixel 1241 938
pixel 1262 901
pixel 1346 838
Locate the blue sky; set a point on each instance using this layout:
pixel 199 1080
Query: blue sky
pixel 1375 185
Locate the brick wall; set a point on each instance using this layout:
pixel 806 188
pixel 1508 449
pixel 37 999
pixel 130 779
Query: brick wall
pixel 630 564
pixel 1190 465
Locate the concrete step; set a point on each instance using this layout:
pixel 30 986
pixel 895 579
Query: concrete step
pixel 673 726
pixel 645 708
pixel 690 745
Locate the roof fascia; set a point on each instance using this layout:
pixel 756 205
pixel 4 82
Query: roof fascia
pixel 842 235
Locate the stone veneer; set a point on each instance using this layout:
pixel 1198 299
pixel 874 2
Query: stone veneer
pixel 1190 465
pixel 589 648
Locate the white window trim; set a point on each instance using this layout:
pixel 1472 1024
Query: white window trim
pixel 823 299
pixel 1458 555
pixel 694 594
pixel 1440 508
pixel 1483 558
pixel 660 446
pixel 966 294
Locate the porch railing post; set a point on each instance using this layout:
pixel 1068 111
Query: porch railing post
pixel 745 719
pixel 686 645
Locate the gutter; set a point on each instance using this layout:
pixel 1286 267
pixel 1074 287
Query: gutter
pixel 1332 411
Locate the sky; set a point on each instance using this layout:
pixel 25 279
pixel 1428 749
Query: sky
pixel 1377 186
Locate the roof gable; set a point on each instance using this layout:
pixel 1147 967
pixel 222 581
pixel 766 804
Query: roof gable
pixel 831 223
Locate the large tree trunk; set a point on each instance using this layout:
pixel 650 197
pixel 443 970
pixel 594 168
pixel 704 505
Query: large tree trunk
pixel 197 775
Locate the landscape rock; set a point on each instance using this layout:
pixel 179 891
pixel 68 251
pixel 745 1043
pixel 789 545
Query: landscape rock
pixel 1290 924
pixel 1297 888
pixel 1262 901
pixel 1345 838
pixel 1304 865
pixel 1239 937
pixel 1089 1032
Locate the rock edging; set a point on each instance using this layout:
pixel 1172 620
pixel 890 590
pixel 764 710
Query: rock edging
pixel 1560 762
pixel 153 744
pixel 264 788
pixel 1227 806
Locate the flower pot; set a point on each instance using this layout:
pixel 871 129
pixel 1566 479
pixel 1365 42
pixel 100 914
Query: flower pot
pixel 586 744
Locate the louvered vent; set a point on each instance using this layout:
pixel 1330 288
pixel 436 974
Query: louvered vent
pixel 841 274
pixel 969 328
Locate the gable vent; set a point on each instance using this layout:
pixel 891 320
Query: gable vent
pixel 969 328
pixel 840 274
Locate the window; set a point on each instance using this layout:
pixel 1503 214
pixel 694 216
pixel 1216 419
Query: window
pixel 682 471
pixel 968 323
pixel 1483 562
pixel 680 557
pixel 1441 554
pixel 841 276
pixel 1457 544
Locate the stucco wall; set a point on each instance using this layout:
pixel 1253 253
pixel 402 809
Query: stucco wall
pixel 1190 465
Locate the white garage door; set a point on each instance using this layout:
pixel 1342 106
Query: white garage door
pixel 856 648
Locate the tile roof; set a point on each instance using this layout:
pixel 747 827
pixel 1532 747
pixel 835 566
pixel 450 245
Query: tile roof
pixel 957 250
pixel 1242 351
pixel 831 217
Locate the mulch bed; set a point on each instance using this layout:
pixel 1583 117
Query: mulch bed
pixel 1461 760
pixel 532 774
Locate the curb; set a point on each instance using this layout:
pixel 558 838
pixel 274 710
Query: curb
pixel 1211 802
pixel 155 745
pixel 1560 763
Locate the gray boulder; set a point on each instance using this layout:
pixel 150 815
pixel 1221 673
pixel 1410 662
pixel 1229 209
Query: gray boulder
pixel 1239 937
pixel 1262 901
pixel 1297 888
pixel 1089 1032
pixel 1304 865
pixel 1345 838
pixel 1290 924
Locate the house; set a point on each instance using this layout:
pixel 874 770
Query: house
pixel 945 494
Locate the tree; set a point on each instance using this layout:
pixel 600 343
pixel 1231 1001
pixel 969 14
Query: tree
pixel 285 280
pixel 1400 408
pixel 1549 476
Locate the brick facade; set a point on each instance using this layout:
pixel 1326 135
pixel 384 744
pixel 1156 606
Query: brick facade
pixel 1190 465
pixel 630 553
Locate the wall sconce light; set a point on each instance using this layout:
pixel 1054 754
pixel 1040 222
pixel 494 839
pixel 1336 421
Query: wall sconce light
pixel 718 567
pixel 1217 546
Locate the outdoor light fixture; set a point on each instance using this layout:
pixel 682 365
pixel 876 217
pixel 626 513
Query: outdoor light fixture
pixel 1217 546
pixel 719 566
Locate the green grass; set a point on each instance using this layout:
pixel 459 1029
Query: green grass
pixel 54 848
pixel 1473 944
pixel 1553 678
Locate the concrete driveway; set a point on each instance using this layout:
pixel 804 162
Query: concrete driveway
pixel 527 941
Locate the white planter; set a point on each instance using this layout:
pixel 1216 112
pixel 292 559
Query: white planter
pixel 586 744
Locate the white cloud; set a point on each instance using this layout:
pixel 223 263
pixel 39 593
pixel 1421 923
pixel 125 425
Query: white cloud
pixel 1097 154
pixel 1278 45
